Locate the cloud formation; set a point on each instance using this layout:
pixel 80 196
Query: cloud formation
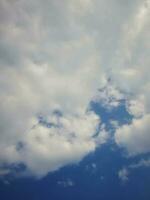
pixel 135 137
pixel 54 56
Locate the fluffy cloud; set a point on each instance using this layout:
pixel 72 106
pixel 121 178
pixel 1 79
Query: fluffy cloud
pixel 47 63
pixel 53 143
pixel 131 71
pixel 131 76
pixel 135 137
pixel 55 55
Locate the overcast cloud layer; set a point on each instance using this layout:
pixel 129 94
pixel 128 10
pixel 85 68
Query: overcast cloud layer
pixel 54 56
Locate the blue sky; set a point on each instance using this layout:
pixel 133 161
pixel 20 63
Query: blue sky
pixel 74 99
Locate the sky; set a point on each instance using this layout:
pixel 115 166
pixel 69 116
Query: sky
pixel 74 99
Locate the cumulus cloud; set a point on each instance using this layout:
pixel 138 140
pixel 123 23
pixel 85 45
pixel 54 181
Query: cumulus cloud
pixel 131 71
pixel 135 137
pixel 47 63
pixel 54 56
pixel 67 141
pixel 53 143
pixel 136 108
pixel 131 76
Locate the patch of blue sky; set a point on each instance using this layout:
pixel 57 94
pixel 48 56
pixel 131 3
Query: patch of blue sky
pixel 118 114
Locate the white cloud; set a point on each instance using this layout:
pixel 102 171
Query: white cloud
pixel 54 55
pixel 47 63
pixel 132 78
pixel 141 163
pixel 123 174
pixel 136 108
pixel 131 63
pixel 135 137
pixel 47 148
